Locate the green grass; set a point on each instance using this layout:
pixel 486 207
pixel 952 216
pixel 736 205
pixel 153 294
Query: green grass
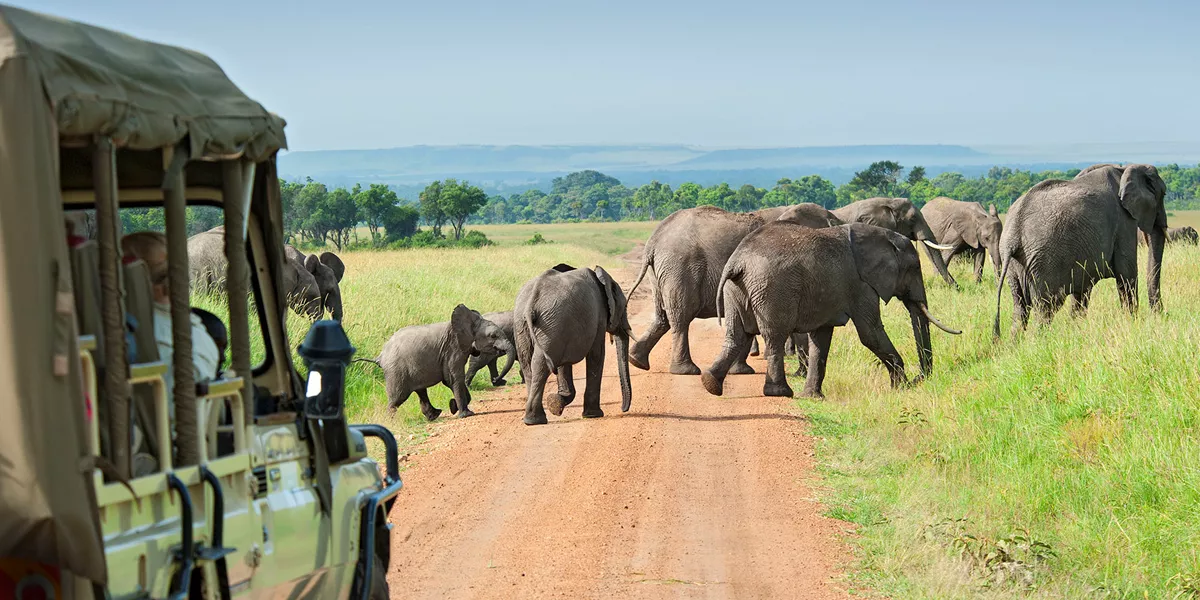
pixel 1083 437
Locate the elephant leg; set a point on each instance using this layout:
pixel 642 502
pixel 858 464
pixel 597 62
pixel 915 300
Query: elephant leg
pixel 789 347
pixel 1080 301
pixel 595 375
pixel 872 335
pixel 776 384
pixel 1047 304
pixel 818 355
pixel 740 366
pixel 980 259
pixel 494 373
pixel 460 402
pixel 681 359
pixel 1022 301
pixel 474 364
pixel 566 391
pixel 537 372
pixel 800 343
pixel 427 409
pixel 639 352
pixel 754 346
pixel 735 348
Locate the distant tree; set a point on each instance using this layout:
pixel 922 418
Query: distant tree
pixel 816 189
pixel 878 179
pixel 687 195
pixel 458 201
pixel 916 175
pixel 400 221
pixel 720 196
pixel 203 218
pixel 748 198
pixel 374 205
pixel 342 214
pixel 649 199
pixel 289 191
pixel 431 207
pixel 309 205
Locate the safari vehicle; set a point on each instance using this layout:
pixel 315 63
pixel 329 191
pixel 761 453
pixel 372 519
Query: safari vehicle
pixel 257 487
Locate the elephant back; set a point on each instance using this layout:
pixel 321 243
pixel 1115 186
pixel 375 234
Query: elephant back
pixel 206 260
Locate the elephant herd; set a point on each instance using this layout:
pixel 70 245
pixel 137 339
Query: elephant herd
pixel 788 274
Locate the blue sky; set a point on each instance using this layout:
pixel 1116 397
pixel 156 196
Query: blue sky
pixel 374 73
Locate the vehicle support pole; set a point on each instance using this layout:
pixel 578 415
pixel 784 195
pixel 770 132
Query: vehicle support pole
pixel 116 368
pixel 187 426
pixel 237 279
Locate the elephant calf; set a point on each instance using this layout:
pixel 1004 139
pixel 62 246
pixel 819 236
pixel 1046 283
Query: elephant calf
pixel 418 357
pixel 504 321
pixel 560 318
pixel 1175 235
pixel 786 278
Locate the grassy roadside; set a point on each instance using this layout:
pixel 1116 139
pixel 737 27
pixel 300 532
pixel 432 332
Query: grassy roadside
pixel 1064 463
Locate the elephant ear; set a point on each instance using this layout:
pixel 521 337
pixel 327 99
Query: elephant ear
pixel 312 263
pixel 992 210
pixel 462 326
pixel 876 258
pixel 1141 194
pixel 970 230
pixel 612 299
pixel 885 217
pixel 332 261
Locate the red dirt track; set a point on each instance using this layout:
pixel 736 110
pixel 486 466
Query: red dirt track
pixel 685 496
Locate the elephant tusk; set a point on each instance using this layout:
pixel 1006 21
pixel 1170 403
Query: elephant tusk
pixel 925 311
pixel 937 246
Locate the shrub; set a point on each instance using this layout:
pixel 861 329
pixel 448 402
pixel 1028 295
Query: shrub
pixel 536 239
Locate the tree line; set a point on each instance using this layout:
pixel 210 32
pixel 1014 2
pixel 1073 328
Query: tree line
pixel 316 215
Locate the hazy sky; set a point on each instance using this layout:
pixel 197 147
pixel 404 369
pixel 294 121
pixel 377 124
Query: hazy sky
pixel 379 73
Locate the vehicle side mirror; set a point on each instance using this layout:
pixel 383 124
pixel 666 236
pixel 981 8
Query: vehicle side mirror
pixel 326 352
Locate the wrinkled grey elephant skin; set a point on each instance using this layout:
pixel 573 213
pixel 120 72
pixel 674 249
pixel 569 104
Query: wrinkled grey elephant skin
pixel 312 283
pixel 684 257
pixel 504 321
pixel 1062 237
pixel 787 278
pixel 561 318
pixel 969 229
pixel 418 357
pixel 899 215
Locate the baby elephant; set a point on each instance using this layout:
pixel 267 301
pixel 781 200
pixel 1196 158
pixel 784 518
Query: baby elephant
pixel 560 318
pixel 418 357
pixel 785 278
pixel 504 321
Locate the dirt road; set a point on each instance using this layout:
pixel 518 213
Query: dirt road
pixel 685 496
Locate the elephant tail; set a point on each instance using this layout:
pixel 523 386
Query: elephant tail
pixel 1007 260
pixel 647 262
pixel 374 361
pixel 732 271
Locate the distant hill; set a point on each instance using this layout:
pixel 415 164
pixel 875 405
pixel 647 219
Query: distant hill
pixel 509 169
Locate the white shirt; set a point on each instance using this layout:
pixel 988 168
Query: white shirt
pixel 204 350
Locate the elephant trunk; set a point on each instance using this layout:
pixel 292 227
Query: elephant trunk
pixel 1158 238
pixel 621 341
pixel 334 305
pixel 925 235
pixel 510 357
pixel 920 324
pixel 994 250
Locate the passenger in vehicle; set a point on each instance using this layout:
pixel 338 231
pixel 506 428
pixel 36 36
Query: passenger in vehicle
pixel 151 247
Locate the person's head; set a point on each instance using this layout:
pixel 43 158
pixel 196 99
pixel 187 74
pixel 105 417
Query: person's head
pixel 151 248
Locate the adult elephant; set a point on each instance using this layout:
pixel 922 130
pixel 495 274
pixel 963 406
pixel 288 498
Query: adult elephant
pixel 899 215
pixel 1062 237
pixel 312 283
pixel 561 318
pixel 967 228
pixel 504 321
pixel 787 278
pixel 419 357
pixel 685 256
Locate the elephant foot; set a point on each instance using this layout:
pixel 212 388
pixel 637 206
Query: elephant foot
pixel 464 413
pixel 535 419
pixel 432 414
pixel 639 361
pixel 453 407
pixel 499 382
pixel 555 403
pixel 712 385
pixel 685 369
pixel 801 370
pixel 741 369
pixel 812 393
pixel 777 389
pixel 593 413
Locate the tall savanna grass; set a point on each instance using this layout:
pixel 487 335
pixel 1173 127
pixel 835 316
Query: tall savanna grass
pixel 1062 463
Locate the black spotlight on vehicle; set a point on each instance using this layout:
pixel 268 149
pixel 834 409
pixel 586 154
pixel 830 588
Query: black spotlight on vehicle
pixel 326 352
